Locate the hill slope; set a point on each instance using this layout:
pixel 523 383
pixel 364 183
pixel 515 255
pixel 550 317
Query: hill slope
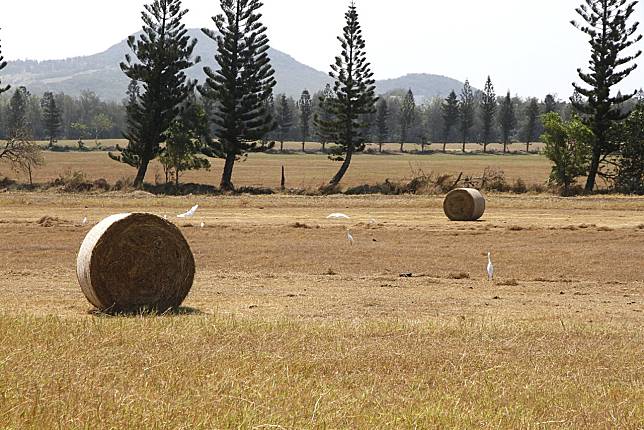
pixel 101 73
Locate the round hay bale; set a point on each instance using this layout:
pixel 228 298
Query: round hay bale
pixel 135 262
pixel 464 204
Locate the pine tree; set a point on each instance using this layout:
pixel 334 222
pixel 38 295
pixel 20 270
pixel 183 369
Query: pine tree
pixel 607 25
pixel 322 115
pixel 381 123
pixel 306 109
pixel 3 64
pixel 407 117
pixel 355 96
pixel 451 114
pixel 162 52
pixel 488 112
pixel 241 85
pixel 51 117
pixel 532 115
pixel 550 104
pixel 17 112
pixel 466 112
pixel 507 120
pixel 284 119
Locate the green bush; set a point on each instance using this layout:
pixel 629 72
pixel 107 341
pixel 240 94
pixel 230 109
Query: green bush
pixel 568 146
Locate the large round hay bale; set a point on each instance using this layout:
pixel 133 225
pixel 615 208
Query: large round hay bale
pixel 464 204
pixel 135 262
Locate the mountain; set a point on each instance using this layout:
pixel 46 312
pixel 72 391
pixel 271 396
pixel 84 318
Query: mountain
pixel 424 86
pixel 101 74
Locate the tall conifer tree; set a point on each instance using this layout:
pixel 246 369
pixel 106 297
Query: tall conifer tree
pixel 323 115
pixel 610 33
pixel 488 112
pixel 162 52
pixel 466 112
pixel 382 117
pixel 51 117
pixel 17 122
pixel 507 120
pixel 550 104
pixel 407 117
pixel 284 119
pixel 241 85
pixel 451 114
pixel 3 64
pixel 532 115
pixel 355 96
pixel 306 109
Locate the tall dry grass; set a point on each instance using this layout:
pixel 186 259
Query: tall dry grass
pixel 198 371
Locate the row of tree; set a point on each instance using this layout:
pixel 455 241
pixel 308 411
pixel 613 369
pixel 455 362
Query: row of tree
pixel 59 116
pixel 397 118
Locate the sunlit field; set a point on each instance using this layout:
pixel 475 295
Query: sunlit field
pixel 310 170
pixel 288 326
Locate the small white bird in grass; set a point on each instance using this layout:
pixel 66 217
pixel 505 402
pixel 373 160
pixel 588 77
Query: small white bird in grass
pixel 338 216
pixel 84 222
pixel 490 267
pixel 165 217
pixel 203 224
pixel 350 238
pixel 190 213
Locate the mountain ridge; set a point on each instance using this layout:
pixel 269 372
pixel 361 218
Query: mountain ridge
pixel 101 74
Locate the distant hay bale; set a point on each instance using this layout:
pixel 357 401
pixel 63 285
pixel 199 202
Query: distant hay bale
pixel 49 221
pixel 464 204
pixel 135 262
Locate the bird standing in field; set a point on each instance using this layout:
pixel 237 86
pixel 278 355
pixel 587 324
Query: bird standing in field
pixel 84 222
pixel 490 267
pixel 350 238
pixel 203 224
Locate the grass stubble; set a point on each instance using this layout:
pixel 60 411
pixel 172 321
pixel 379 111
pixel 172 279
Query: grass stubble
pixel 290 327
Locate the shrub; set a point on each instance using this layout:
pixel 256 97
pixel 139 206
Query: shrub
pixel 73 182
pixel 568 146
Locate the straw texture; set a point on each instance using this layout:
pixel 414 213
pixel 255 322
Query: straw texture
pixel 464 204
pixel 135 262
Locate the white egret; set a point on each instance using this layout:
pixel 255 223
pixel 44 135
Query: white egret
pixel 338 216
pixel 350 238
pixel 84 222
pixel 203 224
pixel 190 213
pixel 490 267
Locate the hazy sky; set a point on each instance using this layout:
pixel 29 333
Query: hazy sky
pixel 527 46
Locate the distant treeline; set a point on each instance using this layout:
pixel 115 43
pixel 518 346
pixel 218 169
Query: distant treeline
pixel 399 118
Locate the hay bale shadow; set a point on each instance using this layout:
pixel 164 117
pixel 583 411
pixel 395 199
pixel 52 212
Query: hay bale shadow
pixel 148 313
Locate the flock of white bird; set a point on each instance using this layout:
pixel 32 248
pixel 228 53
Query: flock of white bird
pixel 334 216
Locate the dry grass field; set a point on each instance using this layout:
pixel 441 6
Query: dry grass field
pixel 307 170
pixel 289 327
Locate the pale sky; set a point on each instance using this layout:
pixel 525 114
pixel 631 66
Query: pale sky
pixel 527 46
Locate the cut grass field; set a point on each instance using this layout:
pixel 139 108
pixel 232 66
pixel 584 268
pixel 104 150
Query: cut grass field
pixel 288 326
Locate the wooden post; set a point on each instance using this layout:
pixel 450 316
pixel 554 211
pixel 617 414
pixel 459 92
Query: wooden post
pixel 283 181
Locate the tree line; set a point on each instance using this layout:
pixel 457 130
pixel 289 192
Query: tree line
pixel 59 116
pixel 398 117
pixel 234 112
